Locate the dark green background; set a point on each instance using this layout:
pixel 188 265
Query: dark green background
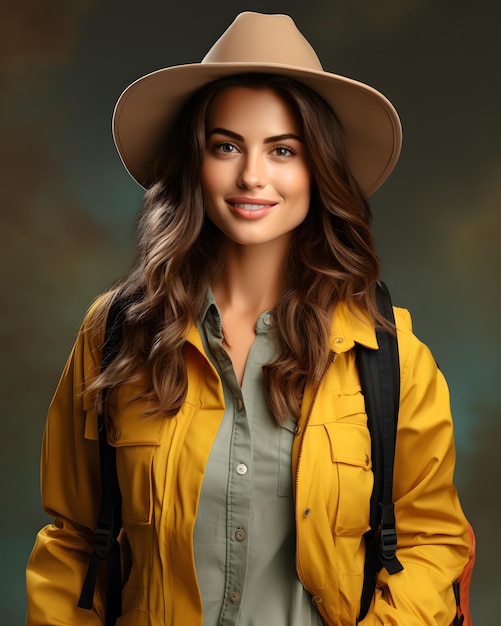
pixel 67 209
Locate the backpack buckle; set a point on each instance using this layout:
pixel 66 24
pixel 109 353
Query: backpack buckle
pixel 103 541
pixel 387 540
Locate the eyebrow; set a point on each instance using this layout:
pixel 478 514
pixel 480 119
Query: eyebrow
pixel 237 137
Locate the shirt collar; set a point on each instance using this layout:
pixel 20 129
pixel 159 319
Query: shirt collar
pixel 208 303
pixel 348 327
pixel 208 312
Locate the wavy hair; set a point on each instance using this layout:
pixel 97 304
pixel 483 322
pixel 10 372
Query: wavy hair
pixel 331 259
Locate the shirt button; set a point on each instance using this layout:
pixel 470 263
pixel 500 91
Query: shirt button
pixel 240 534
pixel 240 404
pixel 307 512
pixel 241 469
pixel 234 597
pixel 268 320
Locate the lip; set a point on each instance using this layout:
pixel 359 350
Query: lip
pixel 250 208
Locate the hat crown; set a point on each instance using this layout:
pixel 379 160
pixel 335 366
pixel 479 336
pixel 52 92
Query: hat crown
pixel 259 38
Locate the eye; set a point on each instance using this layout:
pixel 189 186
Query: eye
pixel 284 151
pixel 225 147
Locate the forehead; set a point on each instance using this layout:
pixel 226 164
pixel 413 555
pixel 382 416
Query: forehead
pixel 259 110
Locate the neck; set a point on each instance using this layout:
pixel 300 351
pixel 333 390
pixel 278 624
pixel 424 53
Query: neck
pixel 252 277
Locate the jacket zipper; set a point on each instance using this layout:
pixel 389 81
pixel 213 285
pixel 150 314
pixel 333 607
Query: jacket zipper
pixel 333 358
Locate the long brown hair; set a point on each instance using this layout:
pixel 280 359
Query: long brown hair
pixel 331 259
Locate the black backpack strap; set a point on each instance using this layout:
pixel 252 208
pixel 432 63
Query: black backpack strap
pixel 109 521
pixel 379 372
pixel 459 617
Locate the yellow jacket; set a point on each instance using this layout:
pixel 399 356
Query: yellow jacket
pixel 161 466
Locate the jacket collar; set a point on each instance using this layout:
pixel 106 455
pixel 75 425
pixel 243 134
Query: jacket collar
pixel 350 327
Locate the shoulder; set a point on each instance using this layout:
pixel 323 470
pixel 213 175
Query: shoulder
pixel 408 343
pixel 403 319
pixel 418 367
pixel 90 337
pixel 97 313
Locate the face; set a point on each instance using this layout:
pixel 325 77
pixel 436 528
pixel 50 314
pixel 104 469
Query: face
pixel 255 177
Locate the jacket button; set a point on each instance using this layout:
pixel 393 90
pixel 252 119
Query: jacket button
pixel 307 512
pixel 297 430
pixel 316 599
pixel 116 435
pixel 234 597
pixel 338 340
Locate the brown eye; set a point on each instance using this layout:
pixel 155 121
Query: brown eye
pixel 284 151
pixel 225 148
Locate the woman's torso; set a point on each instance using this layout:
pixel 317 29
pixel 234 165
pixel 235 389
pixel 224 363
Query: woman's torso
pixel 163 464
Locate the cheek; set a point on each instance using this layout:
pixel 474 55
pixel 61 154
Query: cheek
pixel 210 178
pixel 299 185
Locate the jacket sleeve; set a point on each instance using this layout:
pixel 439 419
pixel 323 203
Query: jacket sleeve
pixel 433 543
pixel 70 485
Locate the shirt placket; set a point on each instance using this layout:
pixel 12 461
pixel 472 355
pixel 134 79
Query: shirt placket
pixel 238 507
pixel 239 488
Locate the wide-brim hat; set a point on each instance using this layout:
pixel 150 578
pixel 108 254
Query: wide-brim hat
pixel 269 44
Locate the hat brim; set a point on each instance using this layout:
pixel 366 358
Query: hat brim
pixel 147 108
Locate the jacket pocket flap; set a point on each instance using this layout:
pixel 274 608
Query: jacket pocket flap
pixel 349 443
pixel 131 427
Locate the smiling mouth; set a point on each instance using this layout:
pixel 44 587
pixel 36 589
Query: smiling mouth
pixel 250 207
pixel 250 210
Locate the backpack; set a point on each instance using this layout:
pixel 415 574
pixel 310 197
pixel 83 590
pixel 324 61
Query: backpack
pixel 379 372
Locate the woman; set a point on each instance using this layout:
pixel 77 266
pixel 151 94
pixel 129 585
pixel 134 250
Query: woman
pixel 235 404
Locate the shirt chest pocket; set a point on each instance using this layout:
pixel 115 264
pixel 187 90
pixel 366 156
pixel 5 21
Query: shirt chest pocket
pixel 287 431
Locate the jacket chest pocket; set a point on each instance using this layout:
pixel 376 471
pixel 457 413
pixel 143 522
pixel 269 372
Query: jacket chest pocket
pixel 136 438
pixel 350 451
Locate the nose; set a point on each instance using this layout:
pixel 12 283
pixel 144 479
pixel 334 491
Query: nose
pixel 253 172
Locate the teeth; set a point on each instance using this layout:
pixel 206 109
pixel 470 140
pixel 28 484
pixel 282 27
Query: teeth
pixel 250 206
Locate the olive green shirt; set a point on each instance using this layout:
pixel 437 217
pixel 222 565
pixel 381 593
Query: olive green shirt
pixel 244 538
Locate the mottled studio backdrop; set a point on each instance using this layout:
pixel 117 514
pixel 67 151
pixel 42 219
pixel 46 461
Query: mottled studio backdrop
pixel 67 207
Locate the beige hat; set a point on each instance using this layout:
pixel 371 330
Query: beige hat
pixel 269 44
